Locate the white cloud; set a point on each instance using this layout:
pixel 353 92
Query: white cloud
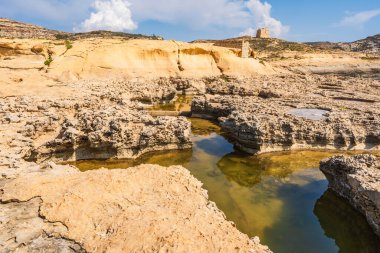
pixel 358 19
pixel 232 16
pixel 197 15
pixel 110 15
pixel 261 17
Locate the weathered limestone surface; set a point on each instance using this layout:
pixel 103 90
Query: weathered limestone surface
pixel 261 114
pixel 143 209
pixel 90 101
pixel 33 234
pixel 357 179
pixel 46 207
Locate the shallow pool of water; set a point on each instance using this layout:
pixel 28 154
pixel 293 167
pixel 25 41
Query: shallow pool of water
pixel 309 113
pixel 280 197
pixel 182 103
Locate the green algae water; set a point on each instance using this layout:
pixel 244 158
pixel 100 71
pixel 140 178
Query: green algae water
pixel 280 197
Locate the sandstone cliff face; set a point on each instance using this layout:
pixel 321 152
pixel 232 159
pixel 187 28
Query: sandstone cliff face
pixel 357 179
pixel 117 57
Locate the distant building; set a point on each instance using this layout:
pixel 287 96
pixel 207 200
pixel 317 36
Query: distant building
pixel 263 33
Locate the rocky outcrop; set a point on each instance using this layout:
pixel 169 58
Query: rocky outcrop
pixel 113 132
pixel 103 121
pixel 357 179
pixel 143 209
pixel 369 45
pixel 119 58
pixel 14 29
pixel 282 114
pixel 55 208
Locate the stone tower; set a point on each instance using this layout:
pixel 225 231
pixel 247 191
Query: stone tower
pixel 263 33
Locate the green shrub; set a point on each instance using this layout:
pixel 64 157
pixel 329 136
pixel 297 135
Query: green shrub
pixel 48 61
pixel 68 44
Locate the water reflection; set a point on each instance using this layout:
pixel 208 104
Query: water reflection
pixel 344 225
pixel 183 103
pixel 272 195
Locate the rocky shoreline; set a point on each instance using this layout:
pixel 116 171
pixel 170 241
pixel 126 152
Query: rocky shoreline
pixel 87 99
pixel 307 113
pixel 101 121
pixel 64 210
pixel 357 179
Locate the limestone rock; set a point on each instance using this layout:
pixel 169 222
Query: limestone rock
pixel 143 209
pixel 357 179
pixel 262 117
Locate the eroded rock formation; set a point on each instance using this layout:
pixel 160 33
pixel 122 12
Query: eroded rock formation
pixel 357 179
pixel 297 112
pixel 143 209
pixel 67 100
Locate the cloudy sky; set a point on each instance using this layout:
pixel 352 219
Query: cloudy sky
pixel 301 20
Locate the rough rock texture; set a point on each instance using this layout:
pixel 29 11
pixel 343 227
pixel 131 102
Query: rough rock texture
pixel 99 122
pixel 89 100
pixel 114 132
pixel 143 209
pixel 14 29
pixel 369 45
pixel 33 234
pixel 259 113
pixel 357 179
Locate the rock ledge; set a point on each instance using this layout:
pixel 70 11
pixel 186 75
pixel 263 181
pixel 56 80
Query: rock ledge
pixel 357 179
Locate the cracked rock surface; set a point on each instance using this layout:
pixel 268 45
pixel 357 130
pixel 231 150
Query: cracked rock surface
pixel 143 209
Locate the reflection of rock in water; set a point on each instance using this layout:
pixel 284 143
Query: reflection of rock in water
pixel 163 158
pixel 201 127
pixel 347 227
pixel 244 170
pixel 248 170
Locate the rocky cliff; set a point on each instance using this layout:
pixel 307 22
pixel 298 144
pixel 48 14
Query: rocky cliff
pixel 13 29
pixel 117 57
pixel 370 45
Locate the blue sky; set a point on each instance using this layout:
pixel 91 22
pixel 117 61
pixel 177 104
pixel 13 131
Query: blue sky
pixel 301 20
